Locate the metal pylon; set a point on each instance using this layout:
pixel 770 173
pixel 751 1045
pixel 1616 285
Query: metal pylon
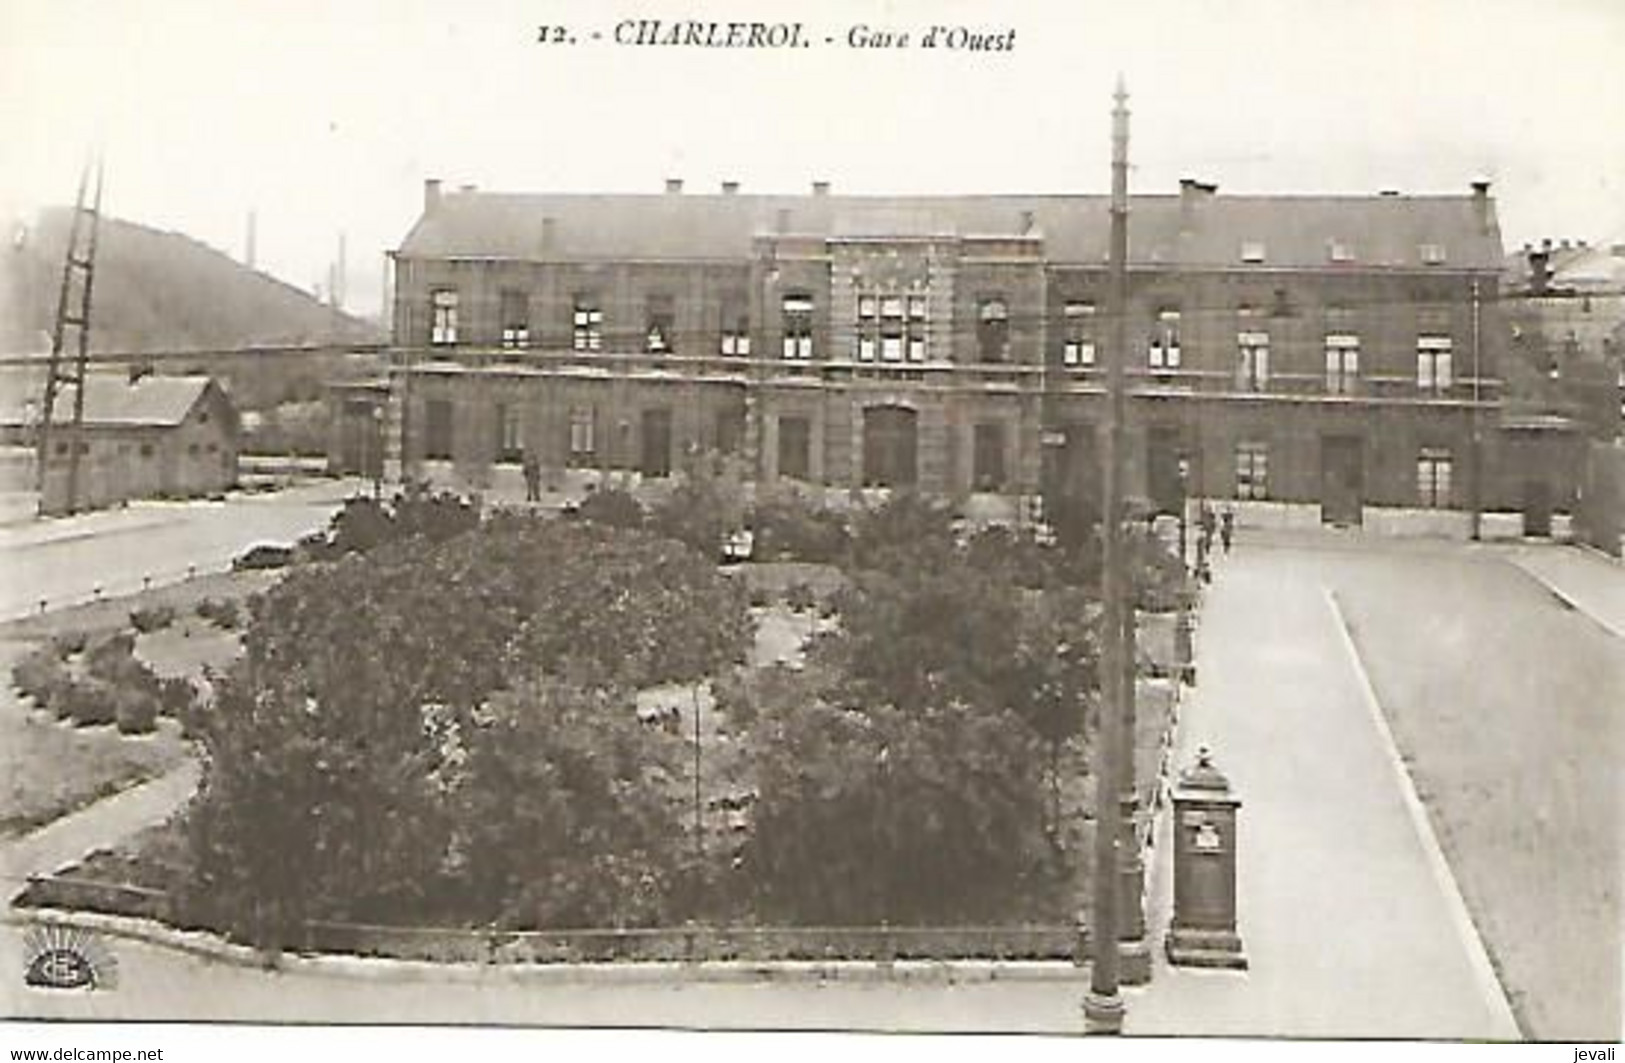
pixel 78 265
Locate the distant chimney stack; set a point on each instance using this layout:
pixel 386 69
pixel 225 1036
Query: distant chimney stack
pixel 1481 204
pixel 1192 193
pixel 431 194
pixel 1540 270
pixel 730 188
pixel 820 188
pixel 674 186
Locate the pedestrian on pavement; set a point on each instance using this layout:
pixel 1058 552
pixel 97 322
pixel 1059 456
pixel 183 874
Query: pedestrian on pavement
pixel 533 477
pixel 1227 527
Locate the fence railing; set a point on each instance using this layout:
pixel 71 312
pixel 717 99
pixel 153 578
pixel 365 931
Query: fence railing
pixel 689 943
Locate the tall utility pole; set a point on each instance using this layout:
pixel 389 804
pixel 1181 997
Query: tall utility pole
pixel 80 262
pixel 1103 1006
pixel 1477 485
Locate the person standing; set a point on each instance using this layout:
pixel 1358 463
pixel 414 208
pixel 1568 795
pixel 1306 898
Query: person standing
pixel 533 477
pixel 1227 528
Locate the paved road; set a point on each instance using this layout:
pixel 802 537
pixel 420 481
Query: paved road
pixel 64 560
pixel 1344 921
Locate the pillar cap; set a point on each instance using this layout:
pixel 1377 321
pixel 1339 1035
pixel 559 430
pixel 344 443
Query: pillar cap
pixel 1203 775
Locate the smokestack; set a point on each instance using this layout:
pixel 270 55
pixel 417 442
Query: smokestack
pixel 1481 205
pixel 730 188
pixel 1192 194
pixel 674 186
pixel 340 278
pixel 431 194
pixel 820 188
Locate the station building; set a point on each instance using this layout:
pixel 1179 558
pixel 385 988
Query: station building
pixel 1305 358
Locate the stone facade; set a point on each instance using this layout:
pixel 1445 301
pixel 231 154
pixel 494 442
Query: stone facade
pixel 1280 351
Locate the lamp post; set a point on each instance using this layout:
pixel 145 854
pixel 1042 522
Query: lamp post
pixel 1103 1006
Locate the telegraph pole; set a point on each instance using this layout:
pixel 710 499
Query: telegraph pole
pixel 1477 485
pixel 1103 1006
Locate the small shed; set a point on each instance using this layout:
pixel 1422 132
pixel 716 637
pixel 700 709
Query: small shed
pixel 152 437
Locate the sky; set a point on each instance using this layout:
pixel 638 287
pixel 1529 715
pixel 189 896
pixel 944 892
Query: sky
pixel 326 117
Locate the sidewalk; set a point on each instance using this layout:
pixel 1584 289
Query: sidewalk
pixel 1342 914
pixel 1591 583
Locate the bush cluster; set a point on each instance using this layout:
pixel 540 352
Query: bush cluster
pixel 221 612
pixel 152 618
pixel 109 685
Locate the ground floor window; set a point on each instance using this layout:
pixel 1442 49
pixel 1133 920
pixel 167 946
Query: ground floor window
pixel 1252 470
pixel 987 471
pixel 583 436
pixel 1433 474
pixel 508 446
pixel 890 447
pixel 437 430
pixel 795 447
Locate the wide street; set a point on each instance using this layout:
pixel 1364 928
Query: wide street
pixel 65 560
pixel 1422 734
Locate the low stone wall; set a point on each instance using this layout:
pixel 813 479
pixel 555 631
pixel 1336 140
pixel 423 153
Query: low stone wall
pixel 1418 523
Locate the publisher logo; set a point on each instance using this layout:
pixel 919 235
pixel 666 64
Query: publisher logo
pixel 64 957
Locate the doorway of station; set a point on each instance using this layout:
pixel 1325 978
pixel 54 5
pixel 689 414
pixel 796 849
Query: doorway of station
pixel 1342 479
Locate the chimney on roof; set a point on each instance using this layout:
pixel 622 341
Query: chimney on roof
pixel 1029 222
pixel 550 232
pixel 1546 243
pixel 431 194
pixel 820 188
pixel 730 188
pixel 1563 244
pixel 1389 193
pixel 1192 194
pixel 1540 270
pixel 674 185
pixel 1481 204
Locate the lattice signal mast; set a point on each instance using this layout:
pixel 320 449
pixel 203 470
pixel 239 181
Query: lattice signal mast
pixel 78 279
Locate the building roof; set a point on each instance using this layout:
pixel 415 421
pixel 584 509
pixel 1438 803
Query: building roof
pixel 112 401
pixel 1189 229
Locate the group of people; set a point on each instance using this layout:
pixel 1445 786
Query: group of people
pixel 1210 523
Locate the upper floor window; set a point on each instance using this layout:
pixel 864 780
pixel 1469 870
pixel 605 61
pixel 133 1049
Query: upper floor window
pixel 1431 254
pixel 515 312
pixel 798 327
pixel 1433 363
pixel 891 327
pixel 508 445
pixel 1078 343
pixel 1164 353
pixel 993 329
pixel 443 316
pixel 660 331
pixel 1342 363
pixel 588 318
pixel 1252 251
pixel 1253 361
pixel 1341 320
pixel 735 341
pixel 583 447
pixel 1339 251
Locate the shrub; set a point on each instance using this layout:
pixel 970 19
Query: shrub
pixel 801 597
pixel 221 612
pixel 39 675
pixel 155 618
pixel 70 642
pixel 613 507
pixel 91 703
pixel 136 712
pixel 788 527
pixel 176 696
pixel 760 597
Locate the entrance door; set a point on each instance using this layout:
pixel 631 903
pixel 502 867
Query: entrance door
pixel 890 447
pixel 1537 508
pixel 1163 484
pixel 1342 479
pixel 656 443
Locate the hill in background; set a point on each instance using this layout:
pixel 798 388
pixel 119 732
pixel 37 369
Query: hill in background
pixel 157 291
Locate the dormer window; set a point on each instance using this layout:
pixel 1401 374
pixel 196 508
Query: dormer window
pixel 1338 251
pixel 1252 251
pixel 1432 254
